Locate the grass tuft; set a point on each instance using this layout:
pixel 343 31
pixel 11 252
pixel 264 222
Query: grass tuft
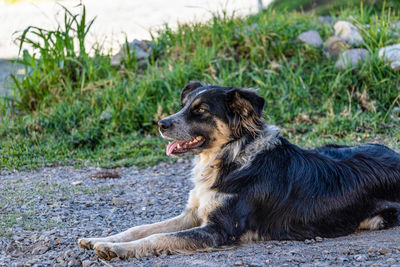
pixel 72 105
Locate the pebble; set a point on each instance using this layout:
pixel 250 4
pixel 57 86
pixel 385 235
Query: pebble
pixel 391 261
pixel 239 263
pixel 40 249
pixel 318 239
pixel 360 257
pixel 384 251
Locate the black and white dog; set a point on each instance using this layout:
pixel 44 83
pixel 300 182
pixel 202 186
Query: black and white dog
pixel 252 184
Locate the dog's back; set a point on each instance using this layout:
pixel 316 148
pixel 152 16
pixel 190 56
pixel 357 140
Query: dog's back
pixel 328 191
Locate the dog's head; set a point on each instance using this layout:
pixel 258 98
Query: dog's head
pixel 212 116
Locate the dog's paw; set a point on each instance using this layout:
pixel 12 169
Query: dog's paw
pixel 109 250
pixel 88 243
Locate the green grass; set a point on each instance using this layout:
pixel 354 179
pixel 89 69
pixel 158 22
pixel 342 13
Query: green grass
pixel 58 105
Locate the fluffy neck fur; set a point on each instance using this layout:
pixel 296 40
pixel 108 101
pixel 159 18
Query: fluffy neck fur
pixel 239 152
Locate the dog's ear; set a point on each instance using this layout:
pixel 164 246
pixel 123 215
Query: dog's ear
pixel 193 85
pixel 246 108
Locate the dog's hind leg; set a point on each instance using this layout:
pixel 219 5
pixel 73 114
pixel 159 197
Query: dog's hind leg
pixel 387 215
pixel 200 238
pixel 186 220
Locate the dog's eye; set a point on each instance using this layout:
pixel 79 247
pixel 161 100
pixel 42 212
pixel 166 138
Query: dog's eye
pixel 199 110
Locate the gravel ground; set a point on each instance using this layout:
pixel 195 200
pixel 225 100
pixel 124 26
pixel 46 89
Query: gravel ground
pixel 44 212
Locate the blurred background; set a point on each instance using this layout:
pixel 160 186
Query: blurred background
pixel 115 20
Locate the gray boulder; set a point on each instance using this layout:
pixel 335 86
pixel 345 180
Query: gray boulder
pixel 351 57
pixel 311 37
pixel 348 32
pixel 391 53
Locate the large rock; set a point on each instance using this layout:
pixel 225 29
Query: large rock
pixel 351 57
pixel 142 49
pixel 391 53
pixel 311 37
pixel 348 32
pixel 334 46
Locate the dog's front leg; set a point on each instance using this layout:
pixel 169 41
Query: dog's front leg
pixel 186 220
pixel 199 238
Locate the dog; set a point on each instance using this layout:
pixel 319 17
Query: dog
pixel 251 184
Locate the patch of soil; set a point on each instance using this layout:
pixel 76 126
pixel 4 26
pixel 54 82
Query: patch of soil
pixel 44 212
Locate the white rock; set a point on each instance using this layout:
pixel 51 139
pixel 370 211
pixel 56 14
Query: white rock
pixel 348 32
pixel 395 65
pixel 391 53
pixel 311 37
pixel 76 183
pixel 351 57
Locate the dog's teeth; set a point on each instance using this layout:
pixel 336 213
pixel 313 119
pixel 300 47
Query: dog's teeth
pixel 199 138
pixel 178 146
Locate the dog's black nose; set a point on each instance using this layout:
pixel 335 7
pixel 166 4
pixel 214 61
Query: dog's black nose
pixel 164 124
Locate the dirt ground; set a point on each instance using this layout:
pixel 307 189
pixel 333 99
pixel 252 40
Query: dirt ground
pixel 43 213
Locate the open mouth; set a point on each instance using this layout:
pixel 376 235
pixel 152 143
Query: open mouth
pixel 178 147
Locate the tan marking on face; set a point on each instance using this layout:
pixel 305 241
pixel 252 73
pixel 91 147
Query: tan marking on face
pixel 205 173
pixel 374 223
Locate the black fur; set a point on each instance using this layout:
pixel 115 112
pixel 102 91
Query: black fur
pixel 289 193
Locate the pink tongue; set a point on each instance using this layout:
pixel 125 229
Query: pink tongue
pixel 171 147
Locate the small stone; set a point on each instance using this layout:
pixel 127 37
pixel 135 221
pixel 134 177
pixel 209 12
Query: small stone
pixel 390 261
pixel 118 201
pixel 308 241
pixel 105 174
pixel 348 32
pixel 40 249
pixel 351 57
pixel 31 262
pixel 334 46
pixel 318 239
pixel 384 251
pixel 311 37
pixel 68 253
pixel 77 183
pixel 360 257
pixel 371 250
pixel 238 263
pixel 73 263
